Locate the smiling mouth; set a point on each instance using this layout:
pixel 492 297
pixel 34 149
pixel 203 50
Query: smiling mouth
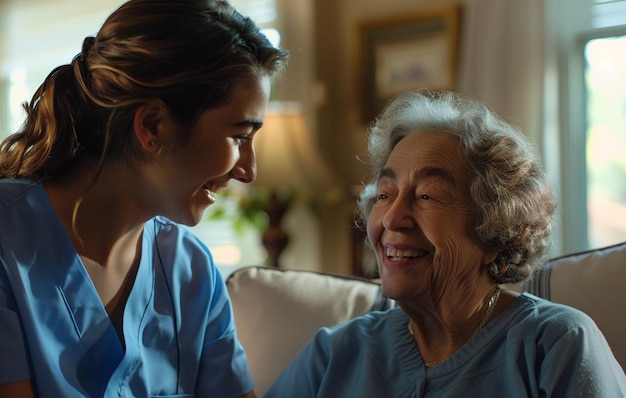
pixel 211 191
pixel 401 254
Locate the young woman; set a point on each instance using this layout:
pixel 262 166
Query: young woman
pixel 102 292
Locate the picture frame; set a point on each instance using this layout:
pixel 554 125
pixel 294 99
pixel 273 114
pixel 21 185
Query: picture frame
pixel 407 53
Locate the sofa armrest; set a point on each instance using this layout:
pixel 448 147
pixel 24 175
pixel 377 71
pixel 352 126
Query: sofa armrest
pixel 277 312
pixel 593 282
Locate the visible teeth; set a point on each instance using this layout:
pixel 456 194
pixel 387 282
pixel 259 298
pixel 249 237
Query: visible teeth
pixel 404 253
pixel 211 194
pixel 211 190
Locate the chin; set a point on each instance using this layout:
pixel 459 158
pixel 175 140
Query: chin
pixel 392 289
pixel 192 214
pixel 193 220
pixel 398 287
pixel 190 219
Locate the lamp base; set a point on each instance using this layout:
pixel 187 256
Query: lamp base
pixel 274 238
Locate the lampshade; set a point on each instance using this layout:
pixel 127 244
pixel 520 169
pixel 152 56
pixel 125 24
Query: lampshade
pixel 286 156
pixel 287 162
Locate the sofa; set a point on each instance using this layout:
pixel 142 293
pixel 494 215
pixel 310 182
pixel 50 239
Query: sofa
pixel 277 311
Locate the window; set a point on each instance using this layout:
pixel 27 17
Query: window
pixel 34 42
pixel 608 13
pixel 605 95
pixel 592 43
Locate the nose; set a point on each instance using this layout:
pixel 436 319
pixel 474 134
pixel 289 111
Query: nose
pixel 245 168
pixel 399 215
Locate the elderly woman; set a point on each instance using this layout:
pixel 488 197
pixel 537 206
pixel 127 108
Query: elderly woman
pixel 458 206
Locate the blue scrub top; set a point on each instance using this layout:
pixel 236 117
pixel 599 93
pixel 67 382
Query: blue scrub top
pixel 179 331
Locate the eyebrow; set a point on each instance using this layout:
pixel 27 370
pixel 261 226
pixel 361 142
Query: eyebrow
pixel 434 172
pixel 387 172
pixel 424 172
pixel 255 124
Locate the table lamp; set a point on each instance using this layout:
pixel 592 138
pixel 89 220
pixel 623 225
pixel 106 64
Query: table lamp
pixel 287 163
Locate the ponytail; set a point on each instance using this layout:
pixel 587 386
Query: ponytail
pixel 47 141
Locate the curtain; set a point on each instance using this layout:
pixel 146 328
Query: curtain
pixel 502 60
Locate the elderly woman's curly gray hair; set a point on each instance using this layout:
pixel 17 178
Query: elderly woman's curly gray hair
pixel 513 198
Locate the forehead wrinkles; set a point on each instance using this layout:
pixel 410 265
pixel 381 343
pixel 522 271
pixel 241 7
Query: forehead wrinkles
pixel 433 172
pixel 428 154
pixel 429 173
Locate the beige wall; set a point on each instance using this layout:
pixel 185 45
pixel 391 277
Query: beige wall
pixel 342 133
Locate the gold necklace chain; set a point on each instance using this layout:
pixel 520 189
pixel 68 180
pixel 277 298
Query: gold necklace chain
pixel 493 300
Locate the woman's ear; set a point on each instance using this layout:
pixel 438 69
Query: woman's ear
pixel 149 125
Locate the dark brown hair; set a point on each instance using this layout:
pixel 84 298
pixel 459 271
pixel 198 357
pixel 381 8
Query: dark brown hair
pixel 187 53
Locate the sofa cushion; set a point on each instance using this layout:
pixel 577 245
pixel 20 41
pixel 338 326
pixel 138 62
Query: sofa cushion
pixel 591 281
pixel 278 311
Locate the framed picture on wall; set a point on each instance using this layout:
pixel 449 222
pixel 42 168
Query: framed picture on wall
pixel 406 53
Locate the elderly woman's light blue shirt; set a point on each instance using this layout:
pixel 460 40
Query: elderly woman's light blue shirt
pixel 179 333
pixel 534 349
